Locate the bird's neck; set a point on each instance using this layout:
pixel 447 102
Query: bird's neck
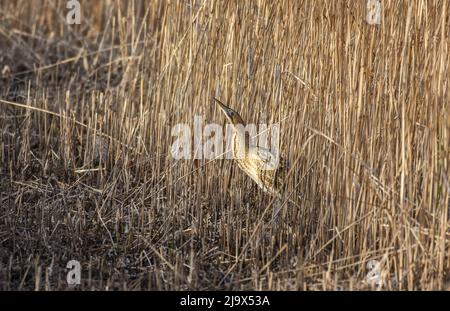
pixel 241 141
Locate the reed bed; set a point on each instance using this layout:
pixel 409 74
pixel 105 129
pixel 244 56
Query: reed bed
pixel 86 118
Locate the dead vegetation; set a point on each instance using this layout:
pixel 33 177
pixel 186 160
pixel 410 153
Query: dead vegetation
pixel 86 173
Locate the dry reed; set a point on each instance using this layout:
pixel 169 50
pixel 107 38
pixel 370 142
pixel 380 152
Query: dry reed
pixel 86 173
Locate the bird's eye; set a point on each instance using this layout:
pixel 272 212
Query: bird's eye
pixel 231 113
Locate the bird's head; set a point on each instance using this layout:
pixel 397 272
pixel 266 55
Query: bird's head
pixel 231 115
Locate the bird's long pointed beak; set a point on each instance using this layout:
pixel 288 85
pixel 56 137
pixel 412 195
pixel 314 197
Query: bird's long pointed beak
pixel 221 105
pixel 229 113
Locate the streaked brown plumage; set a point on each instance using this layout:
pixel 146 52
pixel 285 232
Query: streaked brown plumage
pixel 252 159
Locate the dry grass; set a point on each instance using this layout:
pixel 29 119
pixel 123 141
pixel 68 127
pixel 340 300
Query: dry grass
pixel 86 173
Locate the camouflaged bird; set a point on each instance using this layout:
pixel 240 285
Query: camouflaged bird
pixel 262 165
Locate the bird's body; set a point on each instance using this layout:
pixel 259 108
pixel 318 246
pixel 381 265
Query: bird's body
pixel 254 163
pixel 262 165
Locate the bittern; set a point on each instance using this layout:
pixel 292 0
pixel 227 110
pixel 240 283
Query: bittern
pixel 266 168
